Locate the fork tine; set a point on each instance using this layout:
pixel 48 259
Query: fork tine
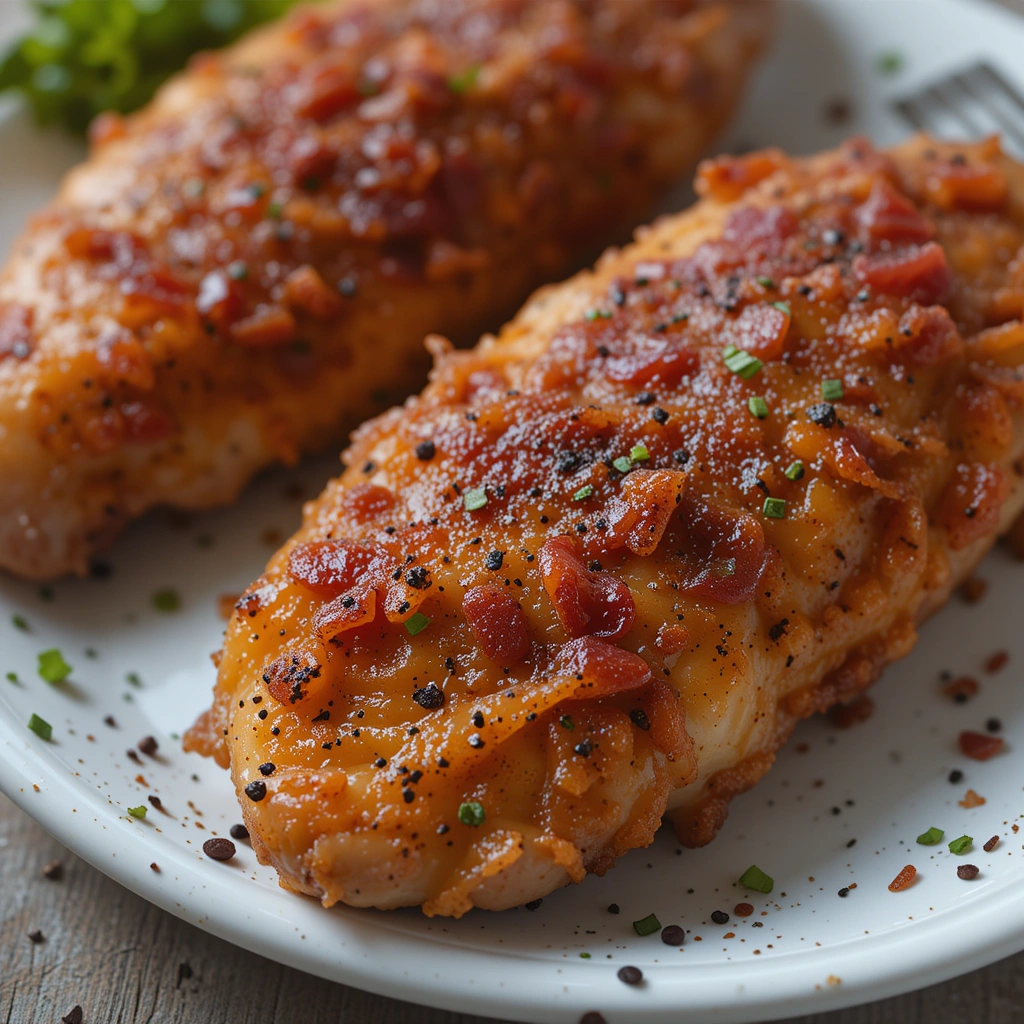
pixel 908 109
pixel 938 94
pixel 996 77
pixel 1007 124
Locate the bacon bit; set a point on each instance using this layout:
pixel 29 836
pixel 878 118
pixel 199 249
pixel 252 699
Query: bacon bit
pixel 268 327
pixel 601 668
pixel 323 89
pixel 306 291
pixel 330 567
pixel 761 330
pixel 971 799
pixel 144 424
pixel 639 513
pixel 226 605
pixel 642 359
pixel 959 185
pixel 365 502
pixel 105 128
pixel 287 675
pixel 845 716
pixel 15 330
pixel 961 689
pixel 672 639
pixel 726 178
pixel 995 661
pixel 889 216
pixel 973 589
pixel 220 299
pixel 971 502
pixel 979 746
pixel 586 602
pixel 928 336
pixel 904 879
pixel 726 556
pixel 743 910
pixel 757 230
pixel 499 623
pixel 919 273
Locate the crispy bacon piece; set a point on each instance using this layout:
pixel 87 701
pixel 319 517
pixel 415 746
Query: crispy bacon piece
pixel 919 273
pixel 498 622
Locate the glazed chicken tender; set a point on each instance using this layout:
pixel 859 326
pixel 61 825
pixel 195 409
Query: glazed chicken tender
pixel 246 269
pixel 595 573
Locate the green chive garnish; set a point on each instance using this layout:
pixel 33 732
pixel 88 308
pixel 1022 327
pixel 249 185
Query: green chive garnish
pixel 464 80
pixel 12 677
pixel 766 282
pixel 758 406
pixel 623 463
pixel 52 666
pixel 472 814
pixel 566 722
pixel 584 956
pixel 639 453
pixel 755 878
pixel 889 63
pixel 166 600
pixel 416 623
pixel 774 508
pixel 961 845
pixel 583 493
pixel 795 471
pixel 40 727
pixel 239 270
pixel 474 499
pixel 782 307
pixel 20 622
pixel 932 837
pixel 832 390
pixel 743 364
pixel 647 925
pixel 274 209
pixel 597 314
pixel 137 812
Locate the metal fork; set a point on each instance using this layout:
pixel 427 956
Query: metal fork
pixel 975 102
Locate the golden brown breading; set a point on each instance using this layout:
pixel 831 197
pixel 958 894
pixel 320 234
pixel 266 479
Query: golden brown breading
pixel 602 565
pixel 247 268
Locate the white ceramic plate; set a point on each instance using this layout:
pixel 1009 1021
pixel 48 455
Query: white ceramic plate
pixel 881 784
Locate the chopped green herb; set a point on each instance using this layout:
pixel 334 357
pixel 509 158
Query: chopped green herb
pixel 743 364
pixel 52 666
pixel 583 493
pixel 366 87
pixel 639 453
pixel 464 80
pixel 193 188
pixel 782 307
pixel 795 470
pixel 134 678
pixel 678 318
pixel 40 727
pixel 474 499
pixel 137 812
pixel 754 878
pixel 832 390
pixel 20 622
pixel 889 63
pixel 274 209
pixel 766 282
pixel 597 314
pixel 758 406
pixel 472 813
pixel 566 722
pixel 238 270
pixel 647 925
pixel 416 623
pixel 961 845
pixel 932 837
pixel 623 463
pixel 166 600
pixel 774 508
pixel 584 956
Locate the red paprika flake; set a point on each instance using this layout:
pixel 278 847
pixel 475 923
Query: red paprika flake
pixel 996 660
pixel 979 746
pixel 904 879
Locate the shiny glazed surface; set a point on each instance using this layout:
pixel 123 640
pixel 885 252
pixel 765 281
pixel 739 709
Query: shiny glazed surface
pixel 555 596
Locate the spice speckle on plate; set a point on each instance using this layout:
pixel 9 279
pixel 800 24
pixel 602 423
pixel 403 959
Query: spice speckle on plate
pixel 967 872
pixel 219 849
pixel 673 935
pixel 630 975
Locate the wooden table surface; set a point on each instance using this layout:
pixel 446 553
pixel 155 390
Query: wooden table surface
pixel 126 962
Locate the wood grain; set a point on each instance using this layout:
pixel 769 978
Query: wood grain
pixel 126 962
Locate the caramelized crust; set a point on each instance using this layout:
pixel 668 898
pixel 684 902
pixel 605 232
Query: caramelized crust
pixel 247 268
pixel 585 579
